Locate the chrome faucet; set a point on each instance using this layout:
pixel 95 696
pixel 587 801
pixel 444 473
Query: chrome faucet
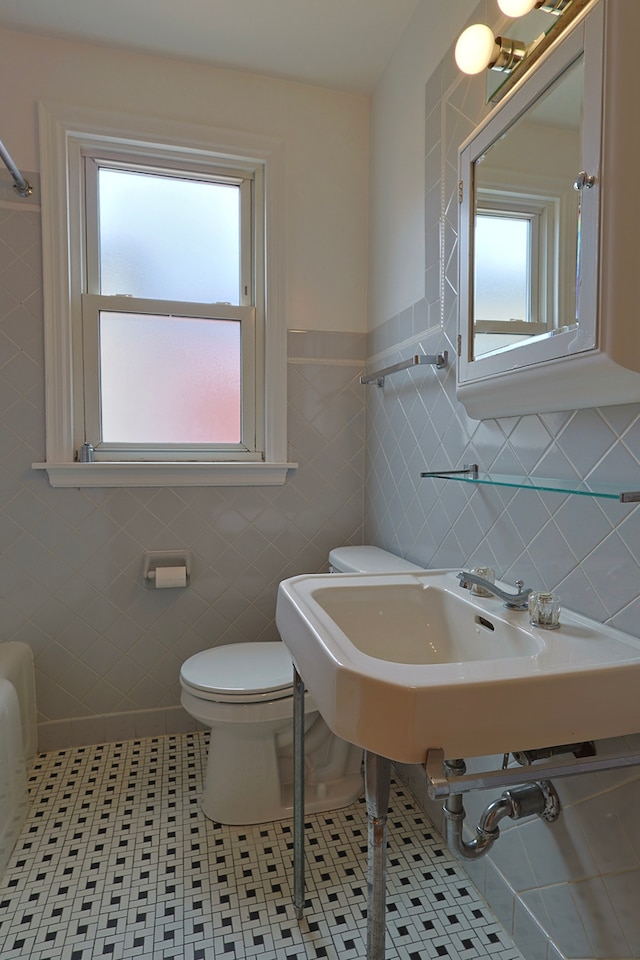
pixel 515 601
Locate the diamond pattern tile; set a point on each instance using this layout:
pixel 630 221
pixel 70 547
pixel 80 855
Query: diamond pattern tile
pixel 415 423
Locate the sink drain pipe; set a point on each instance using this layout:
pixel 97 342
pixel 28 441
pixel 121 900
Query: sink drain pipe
pixel 538 798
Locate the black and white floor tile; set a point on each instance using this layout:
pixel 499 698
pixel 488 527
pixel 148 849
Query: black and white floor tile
pixel 116 860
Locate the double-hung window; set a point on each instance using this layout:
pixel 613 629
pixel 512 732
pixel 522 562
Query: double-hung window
pixel 156 284
pixel 168 312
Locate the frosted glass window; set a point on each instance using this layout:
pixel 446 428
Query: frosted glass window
pixel 168 238
pixel 503 263
pixel 169 379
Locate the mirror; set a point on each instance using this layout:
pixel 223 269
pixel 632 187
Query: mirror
pixel 551 327
pixel 526 214
pixel 563 332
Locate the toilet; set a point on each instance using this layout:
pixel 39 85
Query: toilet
pixel 244 693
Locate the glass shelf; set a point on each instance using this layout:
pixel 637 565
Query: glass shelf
pixel 602 491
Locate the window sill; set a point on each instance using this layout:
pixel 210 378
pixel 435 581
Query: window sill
pixel 155 474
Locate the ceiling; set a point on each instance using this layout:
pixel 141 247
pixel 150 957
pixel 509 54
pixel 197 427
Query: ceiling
pixel 344 44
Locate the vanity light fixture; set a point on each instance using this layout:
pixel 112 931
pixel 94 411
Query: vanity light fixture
pixel 516 8
pixel 477 49
pixel 519 8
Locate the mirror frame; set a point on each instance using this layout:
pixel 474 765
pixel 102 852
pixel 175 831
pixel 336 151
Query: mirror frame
pixel 497 125
pixel 569 369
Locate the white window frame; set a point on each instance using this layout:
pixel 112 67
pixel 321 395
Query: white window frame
pixel 542 212
pixel 66 134
pixel 251 307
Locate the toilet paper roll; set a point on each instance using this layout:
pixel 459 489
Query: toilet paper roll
pixel 170 577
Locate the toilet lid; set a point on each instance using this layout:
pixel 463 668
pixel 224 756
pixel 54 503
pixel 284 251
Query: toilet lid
pixel 241 671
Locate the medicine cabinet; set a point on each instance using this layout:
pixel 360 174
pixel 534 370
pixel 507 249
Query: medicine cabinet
pixel 549 217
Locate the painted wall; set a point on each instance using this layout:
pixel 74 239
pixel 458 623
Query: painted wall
pixel 108 651
pixel 397 236
pixel 568 889
pixel 325 135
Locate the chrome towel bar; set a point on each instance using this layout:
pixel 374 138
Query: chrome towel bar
pixel 438 360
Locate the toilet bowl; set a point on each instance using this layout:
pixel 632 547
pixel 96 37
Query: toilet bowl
pixel 244 693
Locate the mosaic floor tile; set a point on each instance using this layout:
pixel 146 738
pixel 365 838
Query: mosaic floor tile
pixel 116 860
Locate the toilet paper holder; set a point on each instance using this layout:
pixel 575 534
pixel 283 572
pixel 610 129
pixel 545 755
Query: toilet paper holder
pixel 166 568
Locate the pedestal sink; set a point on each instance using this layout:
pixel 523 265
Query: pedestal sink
pixel 398 663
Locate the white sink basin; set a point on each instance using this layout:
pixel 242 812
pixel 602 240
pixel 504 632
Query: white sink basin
pixel 419 623
pixel 399 663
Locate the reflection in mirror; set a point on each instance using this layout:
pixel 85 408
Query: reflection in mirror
pixel 526 222
pixel 536 31
pixel 528 29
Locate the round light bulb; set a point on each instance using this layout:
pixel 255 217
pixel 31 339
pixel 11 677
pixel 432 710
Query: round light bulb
pixel 516 8
pixel 476 48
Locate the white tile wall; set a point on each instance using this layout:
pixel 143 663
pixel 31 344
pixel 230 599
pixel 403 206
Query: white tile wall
pixel 565 889
pixel 107 650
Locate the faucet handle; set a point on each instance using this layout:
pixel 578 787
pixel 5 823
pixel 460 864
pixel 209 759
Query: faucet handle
pixel 544 610
pixel 487 574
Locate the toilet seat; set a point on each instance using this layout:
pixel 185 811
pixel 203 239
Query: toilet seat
pixel 244 695
pixel 240 673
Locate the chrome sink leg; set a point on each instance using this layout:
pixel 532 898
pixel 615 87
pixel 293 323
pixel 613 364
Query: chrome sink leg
pixel 377 780
pixel 298 794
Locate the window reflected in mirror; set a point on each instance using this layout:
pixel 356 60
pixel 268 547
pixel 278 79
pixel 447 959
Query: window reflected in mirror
pixel 526 222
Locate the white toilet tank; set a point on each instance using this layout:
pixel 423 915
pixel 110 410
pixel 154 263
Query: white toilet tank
pixel 367 559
